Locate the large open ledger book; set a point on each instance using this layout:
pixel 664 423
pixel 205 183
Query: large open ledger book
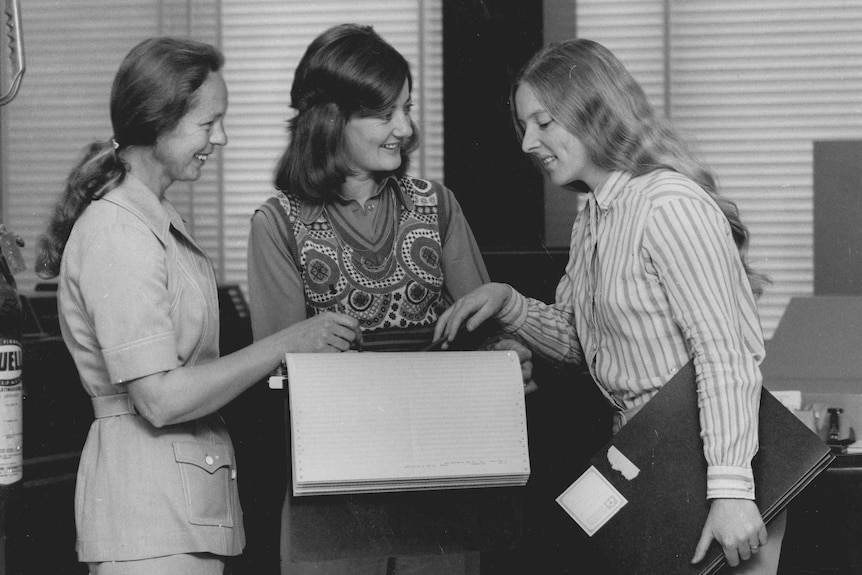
pixel 643 498
pixel 379 422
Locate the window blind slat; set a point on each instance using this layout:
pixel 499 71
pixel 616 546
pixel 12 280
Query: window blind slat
pixel 783 73
pixel 753 85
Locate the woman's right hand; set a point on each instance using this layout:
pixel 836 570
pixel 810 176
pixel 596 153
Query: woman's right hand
pixel 472 310
pixel 326 332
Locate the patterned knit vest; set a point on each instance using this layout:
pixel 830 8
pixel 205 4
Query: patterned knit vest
pixel 396 299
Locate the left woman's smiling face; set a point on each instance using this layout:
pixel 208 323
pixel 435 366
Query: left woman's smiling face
pixel 181 153
pixel 373 144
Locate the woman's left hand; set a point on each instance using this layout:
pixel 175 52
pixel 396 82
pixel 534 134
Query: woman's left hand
pixel 524 355
pixel 737 526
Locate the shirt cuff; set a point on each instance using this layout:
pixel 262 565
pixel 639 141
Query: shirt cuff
pixel 146 356
pixel 514 313
pixel 725 482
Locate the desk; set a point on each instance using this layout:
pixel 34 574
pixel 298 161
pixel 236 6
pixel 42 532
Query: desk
pixel 400 524
pixel 517 530
pixel 824 524
pixel 432 522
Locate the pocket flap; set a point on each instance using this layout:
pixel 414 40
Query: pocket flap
pixel 207 456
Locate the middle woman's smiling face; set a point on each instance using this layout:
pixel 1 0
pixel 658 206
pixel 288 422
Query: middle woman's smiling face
pixel 373 144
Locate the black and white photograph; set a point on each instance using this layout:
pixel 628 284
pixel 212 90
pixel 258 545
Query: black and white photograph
pixel 430 287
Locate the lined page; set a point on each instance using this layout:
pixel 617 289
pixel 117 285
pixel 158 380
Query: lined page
pixel 359 417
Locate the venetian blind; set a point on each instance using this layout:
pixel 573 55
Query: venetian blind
pixel 263 41
pixel 753 85
pixel 72 51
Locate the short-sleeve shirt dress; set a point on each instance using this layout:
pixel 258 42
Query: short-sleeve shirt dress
pixel 138 296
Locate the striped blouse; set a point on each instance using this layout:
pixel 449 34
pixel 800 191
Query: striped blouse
pixel 654 279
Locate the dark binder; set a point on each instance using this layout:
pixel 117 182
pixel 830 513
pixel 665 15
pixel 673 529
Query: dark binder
pixel 657 530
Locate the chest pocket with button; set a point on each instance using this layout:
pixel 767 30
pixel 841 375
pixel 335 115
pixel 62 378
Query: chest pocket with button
pixel 205 470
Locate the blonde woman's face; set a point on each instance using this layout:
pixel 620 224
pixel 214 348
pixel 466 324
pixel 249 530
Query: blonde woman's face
pixel 562 155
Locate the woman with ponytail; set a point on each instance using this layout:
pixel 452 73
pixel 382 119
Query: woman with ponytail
pixel 156 490
pixel 657 276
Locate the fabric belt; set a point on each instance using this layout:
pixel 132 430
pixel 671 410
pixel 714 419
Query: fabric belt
pixel 111 405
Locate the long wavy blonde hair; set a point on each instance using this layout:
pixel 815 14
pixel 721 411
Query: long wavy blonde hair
pixel 588 91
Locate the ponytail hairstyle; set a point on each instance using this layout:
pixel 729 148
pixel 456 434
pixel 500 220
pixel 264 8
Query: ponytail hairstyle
pixel 153 89
pixel 585 88
pixel 347 71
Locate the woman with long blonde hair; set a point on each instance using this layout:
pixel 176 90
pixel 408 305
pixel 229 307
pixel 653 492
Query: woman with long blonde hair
pixel 657 276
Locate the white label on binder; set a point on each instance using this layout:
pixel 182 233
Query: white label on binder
pixel 591 500
pixel 622 463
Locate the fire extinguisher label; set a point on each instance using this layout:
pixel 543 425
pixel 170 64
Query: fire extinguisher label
pixel 11 412
pixel 11 358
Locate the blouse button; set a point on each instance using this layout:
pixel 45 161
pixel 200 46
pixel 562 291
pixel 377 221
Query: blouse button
pixel 209 459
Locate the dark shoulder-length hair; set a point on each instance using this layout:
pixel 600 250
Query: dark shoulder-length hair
pixel 153 89
pixel 348 71
pixel 585 88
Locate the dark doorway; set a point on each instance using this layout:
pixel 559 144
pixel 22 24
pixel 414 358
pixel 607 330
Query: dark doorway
pixel 485 43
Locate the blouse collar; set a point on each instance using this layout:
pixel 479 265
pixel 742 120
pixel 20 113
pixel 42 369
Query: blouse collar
pixel 611 189
pixel 309 212
pixel 159 215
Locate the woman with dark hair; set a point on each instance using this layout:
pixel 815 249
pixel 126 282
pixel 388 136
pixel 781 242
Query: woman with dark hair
pixel 348 72
pixel 657 276
pixel 349 231
pixel 156 489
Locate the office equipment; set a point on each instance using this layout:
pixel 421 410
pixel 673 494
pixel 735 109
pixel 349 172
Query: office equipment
pixel 380 422
pixel 643 499
pixel 816 350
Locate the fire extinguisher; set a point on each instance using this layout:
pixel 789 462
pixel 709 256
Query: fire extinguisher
pixel 11 362
pixel 11 388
